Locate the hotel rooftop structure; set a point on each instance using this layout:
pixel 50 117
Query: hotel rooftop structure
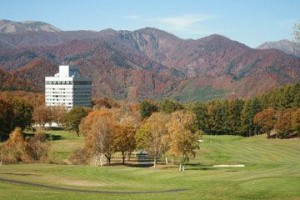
pixel 67 88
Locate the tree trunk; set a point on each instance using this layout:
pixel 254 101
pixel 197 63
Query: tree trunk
pixel 167 160
pixel 123 157
pixel 101 163
pixel 154 163
pixel 129 155
pixel 108 157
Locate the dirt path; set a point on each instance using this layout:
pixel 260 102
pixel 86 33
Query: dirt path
pixel 88 191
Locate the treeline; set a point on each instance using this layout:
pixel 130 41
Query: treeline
pixel 248 117
pixel 122 129
pixel 164 129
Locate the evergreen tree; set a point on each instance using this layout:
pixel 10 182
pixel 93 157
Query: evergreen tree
pixel 233 120
pixel 168 106
pixel 147 108
pixel 201 113
pixel 250 109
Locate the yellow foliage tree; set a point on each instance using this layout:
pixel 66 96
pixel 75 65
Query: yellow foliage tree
pixel 183 138
pixel 97 128
pixel 151 135
pixel 109 130
pixel 125 139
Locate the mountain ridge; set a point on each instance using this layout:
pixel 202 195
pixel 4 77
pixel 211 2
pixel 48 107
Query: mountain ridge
pixel 7 26
pixel 150 63
pixel 285 45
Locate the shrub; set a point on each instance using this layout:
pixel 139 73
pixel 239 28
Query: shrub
pixel 37 147
pixel 79 157
pixel 12 151
pixel 16 149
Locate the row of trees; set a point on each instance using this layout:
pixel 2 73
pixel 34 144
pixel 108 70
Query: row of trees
pixel 239 117
pixel 283 124
pixel 235 117
pixel 107 131
pixel 173 135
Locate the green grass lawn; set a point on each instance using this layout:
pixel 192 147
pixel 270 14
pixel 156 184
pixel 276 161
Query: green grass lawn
pixel 272 171
pixel 63 143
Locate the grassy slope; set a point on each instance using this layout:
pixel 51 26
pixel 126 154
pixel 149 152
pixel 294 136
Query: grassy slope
pixel 272 172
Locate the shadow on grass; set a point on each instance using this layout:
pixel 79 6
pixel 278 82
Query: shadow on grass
pixel 192 166
pixel 49 136
pixel 19 182
pixel 20 174
pixel 198 166
pixel 54 137
pixel 136 165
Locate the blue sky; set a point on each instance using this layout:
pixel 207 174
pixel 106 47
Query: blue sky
pixel 251 22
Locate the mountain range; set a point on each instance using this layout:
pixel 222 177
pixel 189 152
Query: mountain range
pixel 286 46
pixel 147 63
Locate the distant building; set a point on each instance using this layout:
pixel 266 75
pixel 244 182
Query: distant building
pixel 68 88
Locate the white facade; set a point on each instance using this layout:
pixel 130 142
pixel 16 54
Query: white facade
pixel 68 89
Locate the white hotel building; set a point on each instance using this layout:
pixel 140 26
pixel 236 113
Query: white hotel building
pixel 68 89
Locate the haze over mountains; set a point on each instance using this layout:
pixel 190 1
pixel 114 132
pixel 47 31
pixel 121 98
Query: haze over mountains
pixel 146 63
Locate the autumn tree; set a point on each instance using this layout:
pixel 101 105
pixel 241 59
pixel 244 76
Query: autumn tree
pixel 266 120
pixel 98 129
pixel 284 123
pixel 296 121
pixel 73 118
pixel 105 103
pixel 127 120
pixel 183 137
pixel 151 134
pixel 42 115
pixel 58 114
pixel 124 138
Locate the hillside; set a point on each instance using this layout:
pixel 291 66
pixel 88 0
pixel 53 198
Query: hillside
pixel 9 82
pixel 149 63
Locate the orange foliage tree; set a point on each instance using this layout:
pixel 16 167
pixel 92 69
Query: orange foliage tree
pixel 97 128
pixel 296 121
pixel 266 120
pixel 284 123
